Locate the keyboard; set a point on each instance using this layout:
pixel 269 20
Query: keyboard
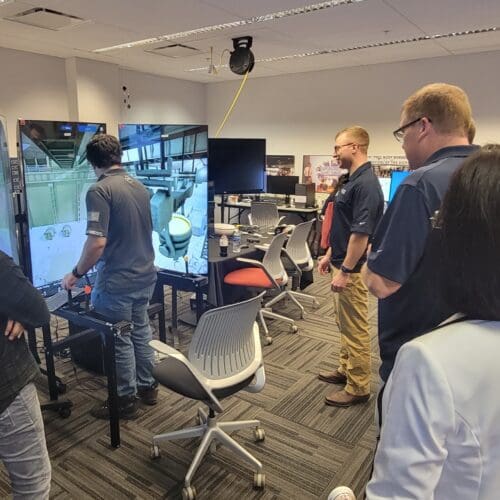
pixel 60 298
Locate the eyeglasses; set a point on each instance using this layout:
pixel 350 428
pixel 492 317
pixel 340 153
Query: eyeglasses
pixel 400 132
pixel 336 149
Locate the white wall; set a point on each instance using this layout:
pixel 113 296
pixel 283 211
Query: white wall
pixel 156 99
pixel 299 114
pixel 39 87
pixel 31 87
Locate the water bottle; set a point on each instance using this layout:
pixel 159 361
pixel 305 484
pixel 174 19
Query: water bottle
pixel 237 241
pixel 223 244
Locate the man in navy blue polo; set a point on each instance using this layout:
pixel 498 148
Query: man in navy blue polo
pixel 403 266
pixel 358 207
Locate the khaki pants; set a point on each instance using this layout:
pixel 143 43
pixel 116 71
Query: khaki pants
pixel 351 308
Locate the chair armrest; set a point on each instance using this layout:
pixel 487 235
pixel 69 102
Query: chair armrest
pixel 280 219
pixel 253 262
pixel 258 382
pixel 165 349
pixel 294 264
pixel 259 264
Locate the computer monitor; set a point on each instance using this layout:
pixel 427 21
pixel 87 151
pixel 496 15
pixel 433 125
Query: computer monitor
pixel 8 239
pixel 54 196
pixel 237 166
pixel 282 184
pixel 171 161
pixel 397 177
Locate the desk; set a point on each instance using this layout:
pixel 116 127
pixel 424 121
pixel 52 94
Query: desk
pixel 304 213
pixel 92 325
pixel 179 281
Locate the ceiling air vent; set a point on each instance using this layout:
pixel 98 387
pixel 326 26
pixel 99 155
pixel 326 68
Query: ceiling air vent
pixel 175 51
pixel 47 19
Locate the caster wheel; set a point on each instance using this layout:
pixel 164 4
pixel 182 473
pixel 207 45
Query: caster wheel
pixel 188 493
pixel 155 452
pixel 61 388
pixel 315 304
pixel 259 480
pixel 294 328
pixel 198 420
pixel 269 340
pixel 259 434
pixel 213 448
pixel 65 412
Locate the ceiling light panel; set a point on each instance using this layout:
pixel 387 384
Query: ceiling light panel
pixel 306 9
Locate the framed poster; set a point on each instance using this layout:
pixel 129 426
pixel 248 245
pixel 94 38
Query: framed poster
pixel 321 170
pixel 280 164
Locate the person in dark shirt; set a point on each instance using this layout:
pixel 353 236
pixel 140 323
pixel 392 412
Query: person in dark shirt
pixel 119 242
pixel 402 267
pixel 359 205
pixel 23 450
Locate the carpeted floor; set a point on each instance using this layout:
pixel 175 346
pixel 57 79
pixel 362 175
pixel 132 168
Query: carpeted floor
pixel 309 448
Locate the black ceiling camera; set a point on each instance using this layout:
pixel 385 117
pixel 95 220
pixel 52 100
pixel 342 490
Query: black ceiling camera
pixel 242 59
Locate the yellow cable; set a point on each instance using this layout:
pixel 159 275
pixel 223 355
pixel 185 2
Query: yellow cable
pixel 232 105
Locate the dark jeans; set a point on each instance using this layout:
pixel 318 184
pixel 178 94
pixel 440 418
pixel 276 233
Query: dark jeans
pixel 134 356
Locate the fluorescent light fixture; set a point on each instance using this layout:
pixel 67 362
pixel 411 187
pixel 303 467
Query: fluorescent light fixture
pixel 306 9
pixel 403 41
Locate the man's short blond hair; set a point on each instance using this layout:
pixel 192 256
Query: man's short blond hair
pixel 358 135
pixel 446 106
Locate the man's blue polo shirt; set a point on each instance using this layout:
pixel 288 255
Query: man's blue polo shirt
pixel 359 205
pixel 405 250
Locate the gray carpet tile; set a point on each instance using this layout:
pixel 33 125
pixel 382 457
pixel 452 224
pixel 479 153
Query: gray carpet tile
pixel 309 448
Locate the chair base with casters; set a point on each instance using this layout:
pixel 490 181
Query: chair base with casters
pixel 213 432
pixel 294 297
pixel 225 357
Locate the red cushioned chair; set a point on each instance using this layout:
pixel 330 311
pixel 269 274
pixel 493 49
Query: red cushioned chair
pixel 270 274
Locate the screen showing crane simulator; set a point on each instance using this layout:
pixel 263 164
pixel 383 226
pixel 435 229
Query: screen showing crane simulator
pixel 8 240
pixel 57 176
pixel 172 163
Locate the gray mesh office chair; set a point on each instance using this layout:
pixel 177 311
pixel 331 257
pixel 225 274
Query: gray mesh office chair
pixel 225 357
pixel 297 250
pixel 270 274
pixel 264 214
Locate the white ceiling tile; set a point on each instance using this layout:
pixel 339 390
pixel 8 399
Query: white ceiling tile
pixel 351 25
pixel 472 43
pixel 445 16
pixel 115 22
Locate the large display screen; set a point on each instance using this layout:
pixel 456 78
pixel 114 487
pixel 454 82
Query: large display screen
pixel 397 177
pixel 57 176
pixel 8 241
pixel 237 166
pixel 172 162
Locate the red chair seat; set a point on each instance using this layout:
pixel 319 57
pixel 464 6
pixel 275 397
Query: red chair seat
pixel 249 276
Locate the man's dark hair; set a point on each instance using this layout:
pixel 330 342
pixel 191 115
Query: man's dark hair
pixel 470 224
pixel 104 151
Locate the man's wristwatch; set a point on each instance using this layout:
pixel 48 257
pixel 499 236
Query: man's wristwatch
pixel 75 273
pixel 345 269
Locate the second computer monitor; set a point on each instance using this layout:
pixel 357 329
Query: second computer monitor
pixel 282 184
